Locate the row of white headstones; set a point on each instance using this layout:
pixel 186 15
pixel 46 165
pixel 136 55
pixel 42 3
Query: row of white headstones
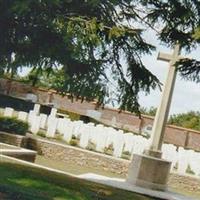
pixel 102 137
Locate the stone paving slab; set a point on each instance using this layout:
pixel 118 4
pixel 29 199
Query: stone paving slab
pixel 7 146
pixel 21 153
pixel 122 184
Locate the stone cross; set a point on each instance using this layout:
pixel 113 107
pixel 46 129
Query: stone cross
pixel 163 110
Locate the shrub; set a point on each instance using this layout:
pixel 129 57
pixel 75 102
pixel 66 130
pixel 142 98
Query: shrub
pixel 41 134
pixel 73 142
pixel 109 150
pixel 126 155
pixel 21 105
pixel 59 137
pixel 91 146
pixel 13 125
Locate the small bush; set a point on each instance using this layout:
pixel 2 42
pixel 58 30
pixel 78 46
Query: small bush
pixel 74 137
pixel 109 150
pixel 73 142
pixel 59 137
pixel 91 146
pixel 126 155
pixel 13 125
pixel 41 134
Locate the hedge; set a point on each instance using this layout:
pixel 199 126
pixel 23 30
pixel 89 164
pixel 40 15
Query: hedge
pixel 20 104
pixel 13 125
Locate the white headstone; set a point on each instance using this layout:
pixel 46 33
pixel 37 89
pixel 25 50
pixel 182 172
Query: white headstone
pixel 31 116
pixel 8 112
pixel 128 139
pixel 84 137
pixel 36 109
pixel 68 131
pixel 22 116
pixel 118 144
pixel 111 135
pixel 43 120
pixel 91 127
pixel 61 125
pixel 92 130
pixel 35 124
pixel 77 128
pixel 139 144
pixel 170 154
pixel 194 162
pixel 183 161
pixel 94 137
pixel 51 126
pixel 102 135
pixel 53 112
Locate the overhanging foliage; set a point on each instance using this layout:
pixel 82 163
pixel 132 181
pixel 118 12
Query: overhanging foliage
pixel 89 39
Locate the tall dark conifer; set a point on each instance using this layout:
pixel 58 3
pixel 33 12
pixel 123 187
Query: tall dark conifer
pixel 90 39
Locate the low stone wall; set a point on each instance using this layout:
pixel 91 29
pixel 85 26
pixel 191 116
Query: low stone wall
pixel 188 184
pixel 16 140
pixel 78 156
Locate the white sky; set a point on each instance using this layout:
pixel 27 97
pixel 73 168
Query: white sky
pixel 186 95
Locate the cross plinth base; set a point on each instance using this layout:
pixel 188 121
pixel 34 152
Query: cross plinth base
pixel 149 172
pixel 153 153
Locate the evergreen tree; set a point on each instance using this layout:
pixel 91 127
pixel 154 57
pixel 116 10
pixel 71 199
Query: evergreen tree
pixel 90 38
pixel 179 21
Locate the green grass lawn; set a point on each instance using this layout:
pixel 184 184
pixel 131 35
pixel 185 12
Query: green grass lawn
pixel 18 182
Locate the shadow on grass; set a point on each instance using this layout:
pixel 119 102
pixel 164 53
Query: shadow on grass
pixel 18 182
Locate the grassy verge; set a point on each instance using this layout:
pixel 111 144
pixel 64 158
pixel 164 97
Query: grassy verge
pixel 18 182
